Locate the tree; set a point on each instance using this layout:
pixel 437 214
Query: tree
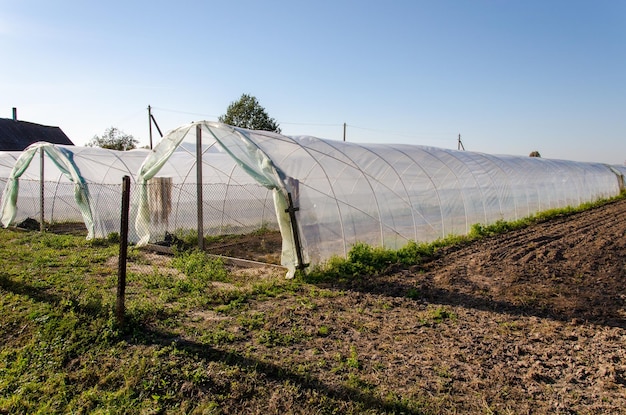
pixel 114 139
pixel 248 113
pixel 534 154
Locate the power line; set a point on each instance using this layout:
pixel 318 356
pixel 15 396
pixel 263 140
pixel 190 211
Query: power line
pixel 416 135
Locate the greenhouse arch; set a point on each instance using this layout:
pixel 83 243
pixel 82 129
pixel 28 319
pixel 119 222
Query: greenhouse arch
pixel 382 195
pixel 64 162
pixel 78 185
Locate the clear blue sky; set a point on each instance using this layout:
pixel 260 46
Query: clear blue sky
pixel 509 76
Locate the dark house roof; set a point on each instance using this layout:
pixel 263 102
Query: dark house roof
pixel 17 135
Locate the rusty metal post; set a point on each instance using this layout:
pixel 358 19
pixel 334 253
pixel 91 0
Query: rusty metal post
pixel 296 236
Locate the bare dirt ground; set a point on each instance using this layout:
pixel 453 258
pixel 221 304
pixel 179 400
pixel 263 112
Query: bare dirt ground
pixel 532 321
pixel 264 247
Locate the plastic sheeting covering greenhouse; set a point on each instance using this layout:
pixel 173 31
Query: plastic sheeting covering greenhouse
pixel 83 185
pixel 76 184
pixel 330 195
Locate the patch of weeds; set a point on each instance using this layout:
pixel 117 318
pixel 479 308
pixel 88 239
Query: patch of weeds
pixel 323 331
pixel 253 321
pixel 413 294
pixel 350 362
pixel 235 303
pixel 437 315
pixel 199 267
pixel 307 303
pixel 354 381
pixel 273 338
pixel 274 287
pixel 219 336
pixel 364 259
pixel 222 299
pixel 154 280
pixel 353 360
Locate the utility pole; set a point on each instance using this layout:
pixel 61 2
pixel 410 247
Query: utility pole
pixel 460 144
pixel 151 120
pixel 344 131
pixel 150 124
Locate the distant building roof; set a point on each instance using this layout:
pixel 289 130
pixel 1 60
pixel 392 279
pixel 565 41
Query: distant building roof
pixel 17 135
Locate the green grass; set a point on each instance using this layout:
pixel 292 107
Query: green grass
pixel 187 346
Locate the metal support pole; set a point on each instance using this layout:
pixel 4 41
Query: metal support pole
pixel 344 131
pixel 294 227
pixel 42 226
pixel 199 186
pixel 121 269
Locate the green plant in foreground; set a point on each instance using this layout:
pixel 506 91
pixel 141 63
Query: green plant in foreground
pixel 199 267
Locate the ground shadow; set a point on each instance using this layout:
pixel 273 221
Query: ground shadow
pixel 605 307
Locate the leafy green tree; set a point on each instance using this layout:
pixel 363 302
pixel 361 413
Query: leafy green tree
pixel 114 139
pixel 248 113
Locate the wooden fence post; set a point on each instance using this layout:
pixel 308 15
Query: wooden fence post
pixel 121 269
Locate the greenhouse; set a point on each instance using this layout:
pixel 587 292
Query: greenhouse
pixel 323 195
pixel 58 183
pixel 329 195
pixel 82 185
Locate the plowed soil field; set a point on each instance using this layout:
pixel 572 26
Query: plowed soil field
pixel 532 321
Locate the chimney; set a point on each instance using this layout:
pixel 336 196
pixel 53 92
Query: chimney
pixel 14 114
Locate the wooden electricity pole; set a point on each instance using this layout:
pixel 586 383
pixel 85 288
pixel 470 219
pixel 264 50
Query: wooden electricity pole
pixel 151 120
pixel 150 124
pixel 460 144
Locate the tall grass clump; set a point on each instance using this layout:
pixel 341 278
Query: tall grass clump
pixel 365 259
